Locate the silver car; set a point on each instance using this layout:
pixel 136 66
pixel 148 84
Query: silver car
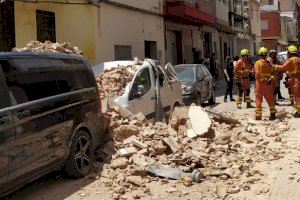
pixel 197 84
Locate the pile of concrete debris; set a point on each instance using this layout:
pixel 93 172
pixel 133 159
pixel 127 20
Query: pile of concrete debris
pixel 216 148
pixel 48 46
pixel 112 82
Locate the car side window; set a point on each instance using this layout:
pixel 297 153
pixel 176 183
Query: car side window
pixel 141 84
pixel 28 85
pixel 200 74
pixel 72 75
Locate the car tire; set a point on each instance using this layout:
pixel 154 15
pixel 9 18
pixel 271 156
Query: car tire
pixel 79 163
pixel 212 99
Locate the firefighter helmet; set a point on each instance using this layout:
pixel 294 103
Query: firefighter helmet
pixel 292 49
pixel 263 51
pixel 245 52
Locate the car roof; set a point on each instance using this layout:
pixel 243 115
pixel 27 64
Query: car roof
pixel 28 54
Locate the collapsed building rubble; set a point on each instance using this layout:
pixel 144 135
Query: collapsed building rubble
pixel 112 82
pixel 197 145
pixel 226 152
pixel 48 46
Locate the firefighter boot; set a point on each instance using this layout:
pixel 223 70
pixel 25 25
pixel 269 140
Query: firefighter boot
pixel 272 116
pixel 257 118
pixel 249 105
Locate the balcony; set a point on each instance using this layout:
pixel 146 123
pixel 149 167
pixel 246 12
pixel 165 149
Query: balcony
pixel 187 12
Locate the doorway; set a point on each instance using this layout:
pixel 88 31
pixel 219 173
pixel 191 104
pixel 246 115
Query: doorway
pixel 178 36
pixel 151 49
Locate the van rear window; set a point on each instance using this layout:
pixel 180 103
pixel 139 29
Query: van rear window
pixel 72 75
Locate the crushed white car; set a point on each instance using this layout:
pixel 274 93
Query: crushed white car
pixel 154 90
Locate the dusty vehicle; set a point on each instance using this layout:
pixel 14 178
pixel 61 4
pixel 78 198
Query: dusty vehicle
pixel 154 90
pixel 282 56
pixel 49 117
pixel 197 84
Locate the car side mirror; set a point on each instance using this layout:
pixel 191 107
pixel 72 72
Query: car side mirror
pixel 140 90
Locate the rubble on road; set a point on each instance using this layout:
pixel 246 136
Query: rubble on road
pixel 48 46
pixel 112 82
pixel 223 151
pixel 197 145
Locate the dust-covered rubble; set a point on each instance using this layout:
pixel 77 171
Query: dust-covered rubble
pixel 112 82
pixel 48 46
pixel 226 153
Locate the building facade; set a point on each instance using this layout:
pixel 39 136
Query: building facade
pixel 255 25
pixel 271 25
pixel 184 36
pixel 105 31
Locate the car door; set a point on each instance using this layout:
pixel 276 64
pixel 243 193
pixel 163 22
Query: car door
pixel 7 135
pixel 142 95
pixel 201 83
pixel 32 86
pixel 210 83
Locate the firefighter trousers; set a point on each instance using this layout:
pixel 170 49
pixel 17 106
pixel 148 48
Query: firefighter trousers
pixel 264 90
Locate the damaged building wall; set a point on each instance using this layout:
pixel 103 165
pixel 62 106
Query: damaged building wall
pixel 67 21
pixel 121 25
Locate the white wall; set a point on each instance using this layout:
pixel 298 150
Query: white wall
pixel 120 26
pixel 222 11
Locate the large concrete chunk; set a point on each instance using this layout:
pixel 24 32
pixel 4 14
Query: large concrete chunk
pixel 201 123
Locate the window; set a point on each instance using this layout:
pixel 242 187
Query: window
pixel 45 24
pixel 28 85
pixel 264 25
pixel 200 73
pixel 151 49
pixel 271 2
pixel 123 52
pixel 7 26
pixel 143 79
pixel 71 75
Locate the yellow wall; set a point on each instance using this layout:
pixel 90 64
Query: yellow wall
pixel 74 23
pixel 121 26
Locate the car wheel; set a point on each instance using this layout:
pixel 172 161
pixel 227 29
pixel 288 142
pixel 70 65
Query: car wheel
pixel 79 163
pixel 212 99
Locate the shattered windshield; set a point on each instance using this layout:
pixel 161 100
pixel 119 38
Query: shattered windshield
pixel 186 74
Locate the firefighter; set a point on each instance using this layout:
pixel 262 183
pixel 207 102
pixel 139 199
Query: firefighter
pixel 242 72
pixel 264 87
pixel 278 75
pixel 289 85
pixel 292 66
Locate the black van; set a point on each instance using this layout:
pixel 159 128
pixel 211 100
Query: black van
pixel 49 116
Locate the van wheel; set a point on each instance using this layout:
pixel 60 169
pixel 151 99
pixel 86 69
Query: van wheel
pixel 79 163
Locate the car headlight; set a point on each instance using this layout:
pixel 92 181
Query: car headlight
pixel 187 90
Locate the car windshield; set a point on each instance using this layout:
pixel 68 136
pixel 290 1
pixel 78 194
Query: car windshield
pixel 186 73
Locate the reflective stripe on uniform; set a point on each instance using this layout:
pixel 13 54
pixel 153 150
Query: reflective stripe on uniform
pixel 273 110
pixel 247 99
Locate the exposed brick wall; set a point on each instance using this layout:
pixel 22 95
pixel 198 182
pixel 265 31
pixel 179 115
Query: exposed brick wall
pixel 273 19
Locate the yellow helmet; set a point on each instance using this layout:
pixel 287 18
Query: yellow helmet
pixel 263 51
pixel 245 52
pixel 292 49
